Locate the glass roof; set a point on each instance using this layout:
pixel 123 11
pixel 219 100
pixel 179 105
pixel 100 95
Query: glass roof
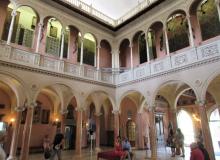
pixel 112 12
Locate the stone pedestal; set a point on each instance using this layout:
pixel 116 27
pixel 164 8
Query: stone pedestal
pixel 79 132
pixel 27 132
pixel 14 142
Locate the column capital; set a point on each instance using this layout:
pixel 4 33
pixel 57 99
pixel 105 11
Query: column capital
pixel 80 109
pixel 19 109
pixel 32 105
pixel 40 24
pixel 98 46
pixel 116 112
pixel 200 103
pixel 131 45
pixel 98 114
pixel 63 111
pixel 13 13
pixel 152 108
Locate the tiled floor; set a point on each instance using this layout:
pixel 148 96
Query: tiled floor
pixel 164 153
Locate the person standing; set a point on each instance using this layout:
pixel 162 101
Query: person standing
pixel 196 153
pixel 57 145
pixel 204 151
pixel 171 142
pixel 46 146
pixel 2 140
pixel 126 146
pixel 179 141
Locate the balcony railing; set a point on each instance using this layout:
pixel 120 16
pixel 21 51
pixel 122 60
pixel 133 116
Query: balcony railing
pixel 94 12
pixel 186 58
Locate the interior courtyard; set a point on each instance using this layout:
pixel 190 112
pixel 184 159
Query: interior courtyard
pixel 66 65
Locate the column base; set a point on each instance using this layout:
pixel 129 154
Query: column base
pixel 12 158
pixel 97 149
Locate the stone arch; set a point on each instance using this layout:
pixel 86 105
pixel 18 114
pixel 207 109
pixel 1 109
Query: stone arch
pixel 140 103
pixel 139 50
pixel 105 60
pixel 105 96
pixel 207 82
pixel 155 40
pixel 206 16
pixel 164 83
pixel 124 55
pixel 17 85
pixel 177 21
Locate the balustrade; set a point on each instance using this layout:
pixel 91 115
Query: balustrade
pixel 180 59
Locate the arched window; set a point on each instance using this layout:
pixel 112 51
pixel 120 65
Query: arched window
pixel 214 124
pixel 208 19
pixel 186 125
pixel 89 49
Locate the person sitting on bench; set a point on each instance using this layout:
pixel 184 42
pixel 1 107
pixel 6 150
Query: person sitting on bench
pixel 126 146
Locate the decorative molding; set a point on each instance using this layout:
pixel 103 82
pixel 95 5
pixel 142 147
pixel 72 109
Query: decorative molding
pixel 200 103
pixel 209 50
pixel 63 111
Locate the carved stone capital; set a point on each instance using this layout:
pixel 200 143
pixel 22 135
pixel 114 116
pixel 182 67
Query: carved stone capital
pixel 63 111
pixel 80 109
pixel 116 112
pixel 98 114
pixel 19 109
pixel 13 13
pixel 200 103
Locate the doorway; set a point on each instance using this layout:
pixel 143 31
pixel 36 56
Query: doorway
pixel 70 137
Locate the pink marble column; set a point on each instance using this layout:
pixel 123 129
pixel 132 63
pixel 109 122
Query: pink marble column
pixel 27 132
pixel 14 142
pixel 140 131
pixel 63 117
pixel 116 124
pixel 98 131
pixel 79 132
pixel 153 137
pixel 173 118
pixel 205 129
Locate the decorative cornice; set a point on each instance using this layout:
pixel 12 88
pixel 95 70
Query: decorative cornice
pixel 51 73
pixel 64 111
pixel 200 103
pixel 116 112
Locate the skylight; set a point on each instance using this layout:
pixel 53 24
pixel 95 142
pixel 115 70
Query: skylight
pixel 113 12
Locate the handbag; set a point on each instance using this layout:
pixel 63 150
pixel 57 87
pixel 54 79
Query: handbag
pixel 47 154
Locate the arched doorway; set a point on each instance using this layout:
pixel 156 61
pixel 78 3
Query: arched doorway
pixel 185 123
pixel 131 131
pixel 214 124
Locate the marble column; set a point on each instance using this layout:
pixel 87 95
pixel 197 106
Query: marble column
pixel 191 39
pixel 13 14
pixel 205 129
pixel 140 131
pixel 166 41
pixel 153 135
pixel 40 30
pixel 173 118
pixel 147 48
pixel 98 57
pixel 63 118
pixel 14 142
pixel 116 124
pixel 81 53
pixel 79 131
pixel 62 44
pixel 131 56
pixel 97 140
pixel 218 8
pixel 27 132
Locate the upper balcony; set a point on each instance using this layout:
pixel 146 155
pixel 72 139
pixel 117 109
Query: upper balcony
pixel 175 62
pixel 90 10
